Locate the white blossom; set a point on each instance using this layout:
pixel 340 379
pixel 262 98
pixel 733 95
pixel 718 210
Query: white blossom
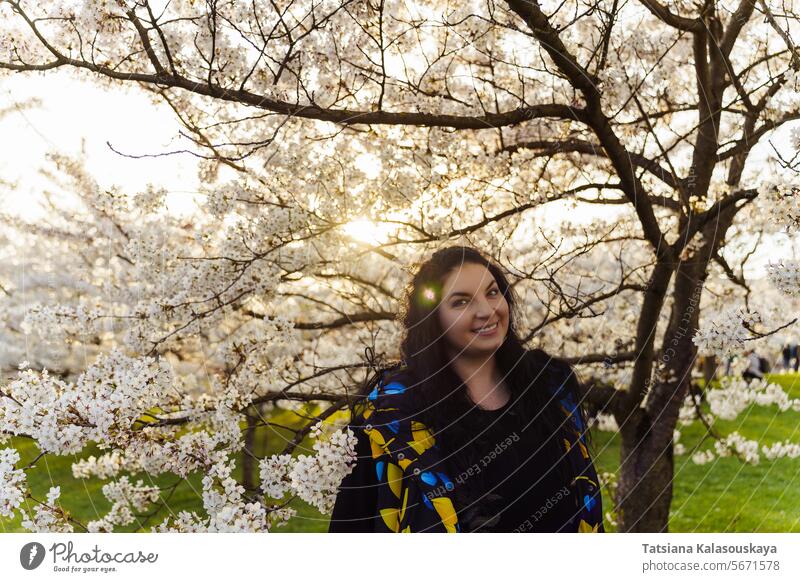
pixel 605 422
pixel 734 443
pixel 274 472
pixel 105 466
pixel 313 478
pixel 781 449
pixel 47 517
pixel 126 498
pixel 101 406
pixel 12 482
pixel 703 457
pixel 726 333
pixel 785 275
pixel 736 394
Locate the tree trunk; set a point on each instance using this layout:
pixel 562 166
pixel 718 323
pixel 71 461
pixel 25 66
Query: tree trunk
pixel 644 493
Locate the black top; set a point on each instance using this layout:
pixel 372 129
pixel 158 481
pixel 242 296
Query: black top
pixel 514 483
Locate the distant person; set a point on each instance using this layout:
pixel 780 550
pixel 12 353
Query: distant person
pixel 753 368
pixel 795 356
pixel 764 365
pixel 787 356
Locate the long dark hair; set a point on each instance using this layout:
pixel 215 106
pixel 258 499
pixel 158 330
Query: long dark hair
pixel 439 395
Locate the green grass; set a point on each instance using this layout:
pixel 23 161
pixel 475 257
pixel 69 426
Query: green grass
pixel 727 495
pixel 722 496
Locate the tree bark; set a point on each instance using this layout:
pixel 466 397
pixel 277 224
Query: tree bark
pixel 646 472
pixel 644 492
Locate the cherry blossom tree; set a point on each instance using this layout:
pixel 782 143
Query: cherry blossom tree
pixel 341 141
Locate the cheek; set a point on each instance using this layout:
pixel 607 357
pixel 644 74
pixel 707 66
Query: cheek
pixel 502 310
pixel 453 322
pixel 446 321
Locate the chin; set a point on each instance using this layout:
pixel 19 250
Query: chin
pixel 476 348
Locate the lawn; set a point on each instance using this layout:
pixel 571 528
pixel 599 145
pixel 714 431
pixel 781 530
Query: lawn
pixel 727 495
pixel 724 495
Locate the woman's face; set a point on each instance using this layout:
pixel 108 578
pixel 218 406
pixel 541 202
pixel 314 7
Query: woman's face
pixel 473 312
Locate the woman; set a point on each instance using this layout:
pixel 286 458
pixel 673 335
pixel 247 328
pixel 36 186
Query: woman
pixel 471 432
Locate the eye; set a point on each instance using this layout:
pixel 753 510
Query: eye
pixel 494 290
pixel 458 302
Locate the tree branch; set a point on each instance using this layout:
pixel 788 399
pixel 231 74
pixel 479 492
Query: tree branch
pixel 596 149
pixel 675 21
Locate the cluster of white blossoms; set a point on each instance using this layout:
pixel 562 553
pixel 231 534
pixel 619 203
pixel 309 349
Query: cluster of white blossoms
pixel 794 138
pixel 12 482
pixel 104 466
pixel 223 501
pixel 125 498
pixel 274 472
pixel 697 241
pixel 781 449
pixel 63 321
pixel 678 448
pixel 726 334
pixel 735 444
pixel 227 507
pixel 781 200
pixel 161 450
pixel 99 14
pixel 101 406
pixel 604 422
pixel 47 517
pixel 785 275
pixel 263 348
pixel 736 394
pixel 703 457
pixel 313 478
pixel 688 411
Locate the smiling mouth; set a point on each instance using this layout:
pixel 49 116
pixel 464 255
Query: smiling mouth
pixel 487 328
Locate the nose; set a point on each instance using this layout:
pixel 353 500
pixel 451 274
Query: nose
pixel 484 309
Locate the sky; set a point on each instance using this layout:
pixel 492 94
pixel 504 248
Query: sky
pixel 75 115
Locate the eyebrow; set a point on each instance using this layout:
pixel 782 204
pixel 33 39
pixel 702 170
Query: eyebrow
pixel 467 294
